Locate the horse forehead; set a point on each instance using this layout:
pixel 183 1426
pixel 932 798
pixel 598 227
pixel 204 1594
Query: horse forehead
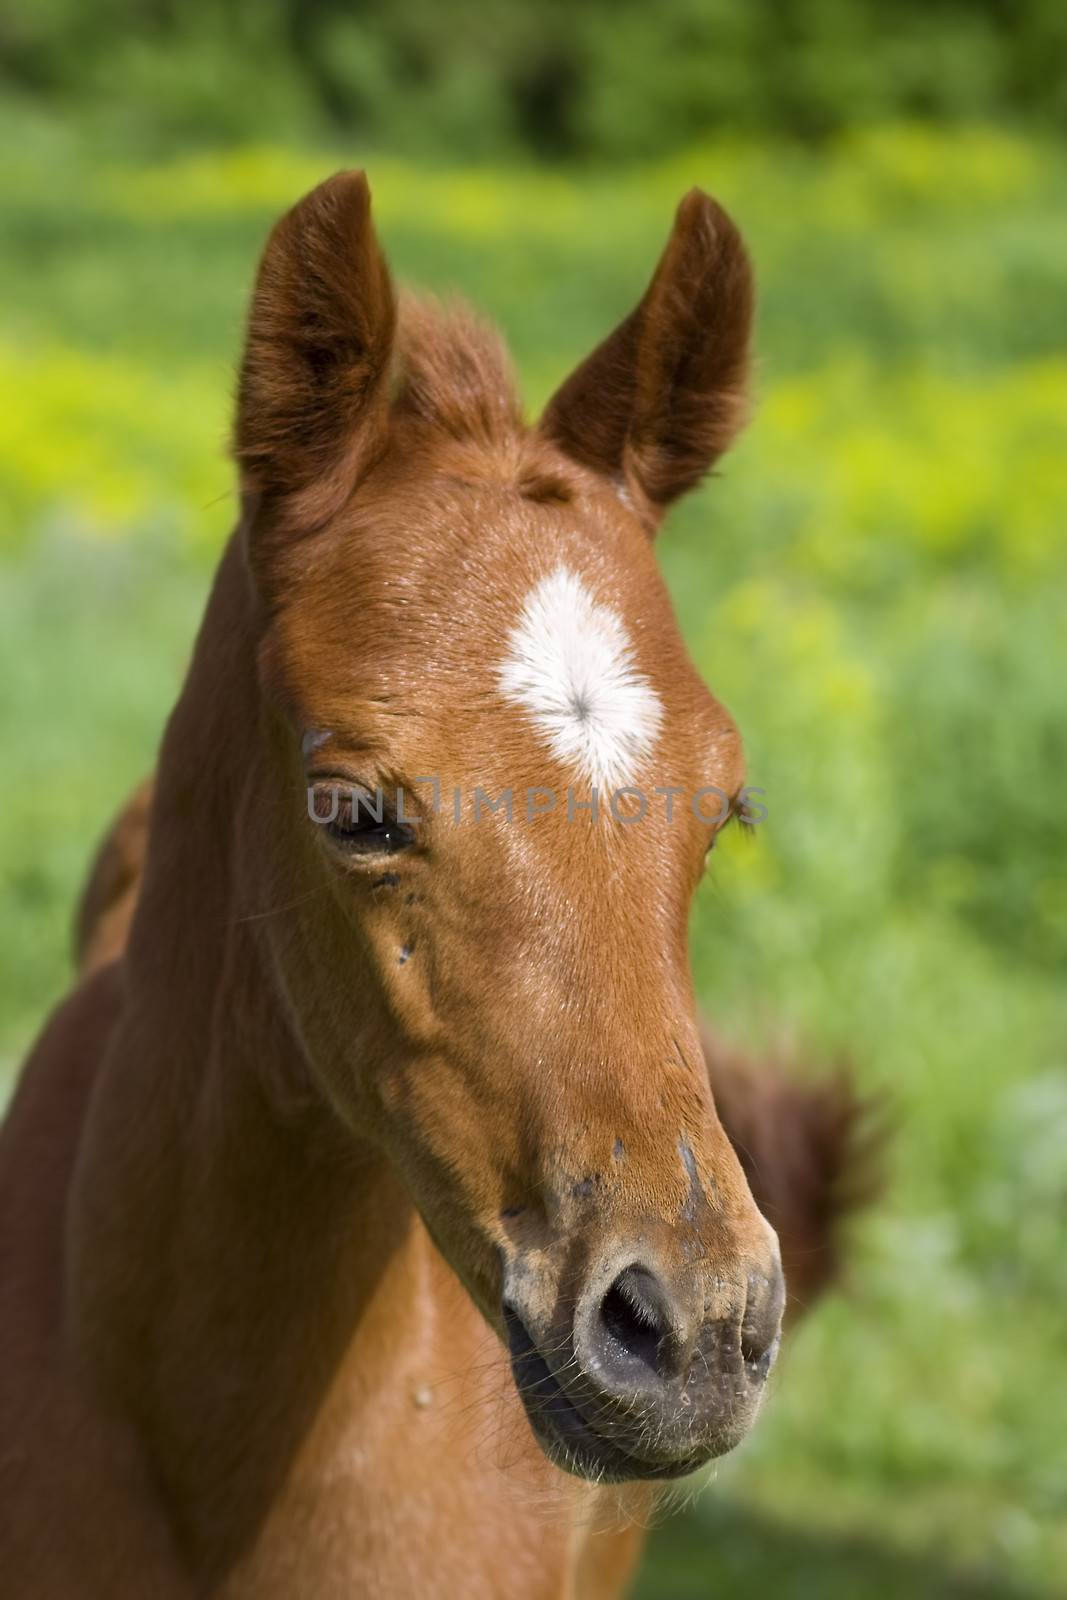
pixel 546 631
pixel 570 669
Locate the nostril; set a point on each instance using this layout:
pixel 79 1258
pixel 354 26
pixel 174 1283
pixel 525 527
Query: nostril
pixel 759 1350
pixel 762 1322
pixel 635 1316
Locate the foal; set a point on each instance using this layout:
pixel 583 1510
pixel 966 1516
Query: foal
pixel 378 1188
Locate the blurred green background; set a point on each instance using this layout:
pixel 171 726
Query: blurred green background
pixel 875 584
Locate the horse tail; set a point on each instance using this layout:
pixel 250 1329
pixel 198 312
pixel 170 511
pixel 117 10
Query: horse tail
pixel 812 1147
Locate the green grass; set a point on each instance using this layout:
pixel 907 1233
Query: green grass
pixel 874 585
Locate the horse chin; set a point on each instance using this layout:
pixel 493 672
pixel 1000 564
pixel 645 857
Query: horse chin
pixel 569 1439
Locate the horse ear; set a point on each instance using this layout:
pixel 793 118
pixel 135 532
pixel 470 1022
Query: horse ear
pixel 311 402
pixel 659 401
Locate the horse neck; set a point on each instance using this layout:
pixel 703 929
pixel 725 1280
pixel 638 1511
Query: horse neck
pixel 228 1234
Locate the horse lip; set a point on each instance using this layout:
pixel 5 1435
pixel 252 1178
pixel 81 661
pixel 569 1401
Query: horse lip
pixel 562 1429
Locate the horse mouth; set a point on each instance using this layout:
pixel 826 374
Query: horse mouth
pixel 563 1430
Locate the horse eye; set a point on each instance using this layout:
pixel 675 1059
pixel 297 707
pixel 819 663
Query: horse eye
pixel 357 822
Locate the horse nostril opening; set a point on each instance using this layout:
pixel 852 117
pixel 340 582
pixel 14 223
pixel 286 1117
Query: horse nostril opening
pixel 760 1329
pixel 758 1351
pixel 636 1319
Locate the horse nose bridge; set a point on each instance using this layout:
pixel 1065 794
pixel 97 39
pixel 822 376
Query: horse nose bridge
pixel 635 1099
pixel 628 1169
pixel 612 1151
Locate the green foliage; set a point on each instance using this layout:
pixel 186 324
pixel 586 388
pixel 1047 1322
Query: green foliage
pixel 873 585
pixel 485 78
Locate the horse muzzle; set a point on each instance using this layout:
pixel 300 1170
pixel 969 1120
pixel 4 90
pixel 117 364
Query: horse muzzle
pixel 650 1375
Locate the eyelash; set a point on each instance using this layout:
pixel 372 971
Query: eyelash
pixel 735 819
pixel 357 821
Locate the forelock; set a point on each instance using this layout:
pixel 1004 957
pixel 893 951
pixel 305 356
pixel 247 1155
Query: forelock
pixel 453 373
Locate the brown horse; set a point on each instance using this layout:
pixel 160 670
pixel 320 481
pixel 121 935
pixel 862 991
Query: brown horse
pixel 365 1210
